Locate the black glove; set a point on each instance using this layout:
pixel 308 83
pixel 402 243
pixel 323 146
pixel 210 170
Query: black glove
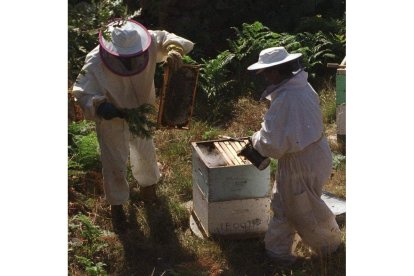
pixel 108 111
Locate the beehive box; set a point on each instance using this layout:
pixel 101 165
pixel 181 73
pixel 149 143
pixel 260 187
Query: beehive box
pixel 244 218
pixel 222 175
pixel 231 197
pixel 341 99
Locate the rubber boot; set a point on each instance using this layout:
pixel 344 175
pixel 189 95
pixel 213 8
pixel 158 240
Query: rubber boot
pixel 119 223
pixel 148 194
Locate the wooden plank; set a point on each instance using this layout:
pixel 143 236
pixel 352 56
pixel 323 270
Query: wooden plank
pixel 235 145
pixel 229 155
pixel 234 156
pixel 220 149
pixel 235 149
pixel 238 147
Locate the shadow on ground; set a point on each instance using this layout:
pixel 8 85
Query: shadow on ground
pixel 155 253
pixel 248 257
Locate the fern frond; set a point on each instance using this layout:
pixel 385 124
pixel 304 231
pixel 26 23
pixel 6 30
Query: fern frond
pixel 138 122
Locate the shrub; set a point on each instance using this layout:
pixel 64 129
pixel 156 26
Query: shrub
pixel 83 148
pixel 215 94
pixel 86 245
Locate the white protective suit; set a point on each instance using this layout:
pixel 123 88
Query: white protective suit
pixel 98 84
pixel 292 132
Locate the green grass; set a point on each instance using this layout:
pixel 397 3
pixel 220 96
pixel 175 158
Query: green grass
pixel 328 105
pixel 159 240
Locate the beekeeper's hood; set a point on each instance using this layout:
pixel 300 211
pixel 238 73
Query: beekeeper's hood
pixel 271 57
pixel 123 47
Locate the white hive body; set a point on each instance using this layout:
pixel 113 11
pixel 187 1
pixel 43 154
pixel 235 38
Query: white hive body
pixel 231 197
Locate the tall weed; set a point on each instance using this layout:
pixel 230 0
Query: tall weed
pixel 327 98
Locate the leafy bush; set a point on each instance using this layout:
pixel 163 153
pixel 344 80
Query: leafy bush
pixel 318 50
pixel 86 244
pixel 83 148
pixel 215 95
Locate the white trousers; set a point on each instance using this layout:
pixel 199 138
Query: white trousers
pixel 299 211
pixel 116 145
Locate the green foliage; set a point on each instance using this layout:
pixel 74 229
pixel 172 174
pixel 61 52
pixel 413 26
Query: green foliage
pixel 249 41
pixel 328 105
pixel 188 60
pixel 214 75
pixel 210 134
pixel 273 166
pixel 215 96
pixel 83 147
pixel 87 153
pixel 85 20
pixel 90 267
pixel 319 50
pixel 86 244
pixel 338 161
pixel 138 120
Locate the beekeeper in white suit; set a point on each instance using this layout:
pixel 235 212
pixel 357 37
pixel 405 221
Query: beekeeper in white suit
pixel 119 73
pixel 292 132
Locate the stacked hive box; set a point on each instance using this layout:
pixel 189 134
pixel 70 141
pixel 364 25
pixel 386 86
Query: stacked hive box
pixel 341 101
pixel 231 197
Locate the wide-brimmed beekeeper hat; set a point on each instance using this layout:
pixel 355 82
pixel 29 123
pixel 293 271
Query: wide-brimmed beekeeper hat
pixel 125 38
pixel 271 57
pixel 124 47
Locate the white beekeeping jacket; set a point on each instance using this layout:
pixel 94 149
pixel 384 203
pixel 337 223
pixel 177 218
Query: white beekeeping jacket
pixel 98 84
pixel 293 120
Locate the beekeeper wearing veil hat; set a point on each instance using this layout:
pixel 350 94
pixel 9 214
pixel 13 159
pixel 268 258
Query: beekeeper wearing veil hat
pixel 292 132
pixel 119 73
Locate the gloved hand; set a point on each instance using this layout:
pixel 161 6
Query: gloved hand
pixel 108 111
pixel 174 58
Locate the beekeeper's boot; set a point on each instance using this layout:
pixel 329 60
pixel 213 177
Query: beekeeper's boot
pixel 119 223
pixel 148 194
pixel 134 194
